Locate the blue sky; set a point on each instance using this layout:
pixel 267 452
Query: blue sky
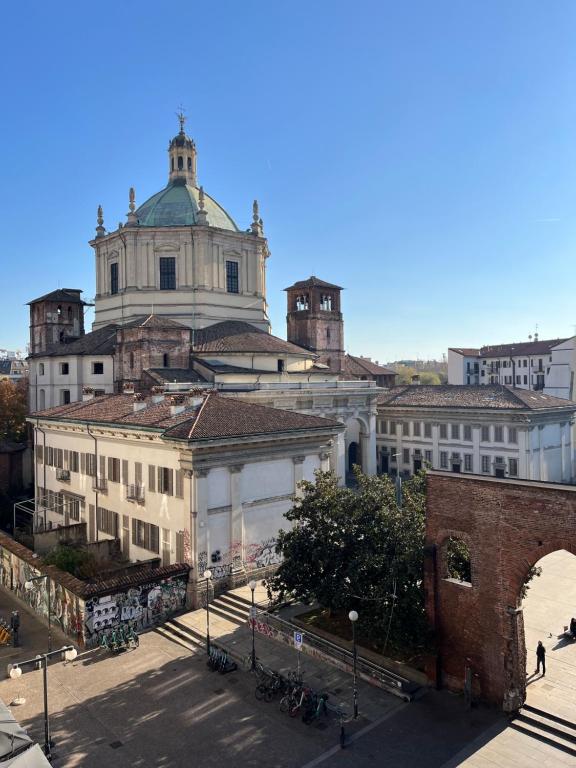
pixel 421 154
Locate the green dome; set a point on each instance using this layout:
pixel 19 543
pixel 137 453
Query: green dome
pixel 177 206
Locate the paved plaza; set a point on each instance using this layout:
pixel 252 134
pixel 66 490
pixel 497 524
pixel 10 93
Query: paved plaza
pixel 159 705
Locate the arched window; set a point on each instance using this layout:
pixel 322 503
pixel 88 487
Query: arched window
pixel 189 163
pixel 41 370
pixel 172 164
pixel 41 399
pixel 166 360
pixel 180 162
pixel 69 314
pixel 59 310
pixel 457 560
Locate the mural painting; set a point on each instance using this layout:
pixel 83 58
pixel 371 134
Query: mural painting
pixel 222 563
pixel 141 606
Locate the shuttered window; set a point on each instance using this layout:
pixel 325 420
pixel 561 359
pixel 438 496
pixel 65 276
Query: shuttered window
pixel 90 464
pixel 179 491
pixel 138 473
pixel 102 467
pixel 73 460
pixel 145 535
pixel 166 481
pixel 114 470
pixel 151 477
pixel 107 521
pixel 40 453
pixel 124 471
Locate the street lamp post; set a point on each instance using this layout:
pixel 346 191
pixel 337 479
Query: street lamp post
pixel 353 616
pixel 29 584
pixel 252 585
pixel 208 576
pixel 15 672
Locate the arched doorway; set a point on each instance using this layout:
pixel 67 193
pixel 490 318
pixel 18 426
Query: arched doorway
pixel 353 454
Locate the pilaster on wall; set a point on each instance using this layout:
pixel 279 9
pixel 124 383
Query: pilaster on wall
pixel 236 514
pixel 298 462
pixel 200 510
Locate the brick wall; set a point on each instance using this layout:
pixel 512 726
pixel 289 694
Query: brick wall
pixel 508 526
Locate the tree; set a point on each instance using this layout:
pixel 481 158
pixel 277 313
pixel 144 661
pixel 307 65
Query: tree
pixel 357 549
pixel 76 560
pixel 13 410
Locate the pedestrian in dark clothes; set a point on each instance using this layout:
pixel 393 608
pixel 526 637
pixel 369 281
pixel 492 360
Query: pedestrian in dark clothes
pixel 541 658
pixel 15 627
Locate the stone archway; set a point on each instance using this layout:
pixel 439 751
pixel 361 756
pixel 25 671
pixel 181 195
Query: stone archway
pixel 508 526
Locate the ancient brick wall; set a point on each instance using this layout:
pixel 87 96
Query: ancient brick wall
pixel 508 526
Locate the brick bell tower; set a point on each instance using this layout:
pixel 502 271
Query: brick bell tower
pixel 315 321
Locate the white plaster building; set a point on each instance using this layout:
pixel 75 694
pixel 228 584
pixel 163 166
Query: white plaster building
pixel 196 478
pixel 547 365
pixel 491 430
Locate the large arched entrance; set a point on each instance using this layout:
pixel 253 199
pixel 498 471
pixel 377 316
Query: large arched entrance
pixel 507 527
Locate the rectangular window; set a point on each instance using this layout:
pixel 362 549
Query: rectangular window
pixel 512 435
pixel 416 428
pixel 427 430
pixel 443 459
pixel 383 426
pixel 107 521
pixel 91 464
pixel 393 428
pixel 525 379
pixel 498 435
pixel 167 273
pixel 406 455
pixel 455 431
pixel 73 461
pixel 98 368
pixel 485 464
pixel 232 285
pixel 64 397
pixel 468 462
pixel 114 277
pixel 113 470
pixel 145 535
pixel 406 428
pixel 468 433
pixel 513 467
pixel 485 434
pixel 166 481
pixel 64 369
pixel 443 431
pixel 428 457
pixel 518 379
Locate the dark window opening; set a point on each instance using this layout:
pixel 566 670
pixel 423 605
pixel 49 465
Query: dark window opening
pixel 189 163
pixel 70 314
pixel 167 273
pixel 114 277
pixel 180 163
pixel 327 334
pixel 98 368
pixel 232 285
pixel 280 366
pixel 65 396
pixel 172 164
pixel 131 359
pixel 64 369
pixel 165 360
pixel 458 565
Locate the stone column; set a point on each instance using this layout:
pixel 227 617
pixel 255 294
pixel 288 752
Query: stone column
pixel 236 525
pixel 339 458
pixel 477 462
pixel 524 469
pixel 298 474
pixel 543 475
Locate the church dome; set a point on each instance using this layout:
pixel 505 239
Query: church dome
pixel 177 205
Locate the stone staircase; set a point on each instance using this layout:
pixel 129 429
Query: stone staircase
pixel 546 727
pixel 176 630
pixel 232 607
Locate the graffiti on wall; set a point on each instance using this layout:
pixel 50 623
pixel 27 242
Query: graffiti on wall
pixel 141 606
pixel 263 554
pixel 223 562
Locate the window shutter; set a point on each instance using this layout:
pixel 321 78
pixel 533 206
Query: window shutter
pixel 39 454
pixel 102 460
pixel 154 538
pixel 82 463
pixel 151 477
pixel 161 488
pixel 125 471
pixel 110 469
pixel 138 473
pixel 146 527
pixel 170 489
pixel 59 455
pixel 66 459
pixel 180 484
pixel 134 535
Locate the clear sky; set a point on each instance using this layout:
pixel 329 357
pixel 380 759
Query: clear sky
pixel 421 154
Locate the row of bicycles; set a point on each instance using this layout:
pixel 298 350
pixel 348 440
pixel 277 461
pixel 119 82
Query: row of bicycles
pixel 295 697
pixel 119 638
pixel 219 661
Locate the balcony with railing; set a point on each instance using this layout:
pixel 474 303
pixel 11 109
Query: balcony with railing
pixel 135 493
pixel 100 484
pixel 63 475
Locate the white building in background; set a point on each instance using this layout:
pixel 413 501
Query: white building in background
pixel 535 365
pixel 489 430
pixel 194 478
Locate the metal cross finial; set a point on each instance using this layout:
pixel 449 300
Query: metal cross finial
pixel 132 196
pixel 100 217
pixel 181 117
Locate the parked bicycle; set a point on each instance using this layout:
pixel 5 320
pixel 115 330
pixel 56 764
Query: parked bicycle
pixel 315 707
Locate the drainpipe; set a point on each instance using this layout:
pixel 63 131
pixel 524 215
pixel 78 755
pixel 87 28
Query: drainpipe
pixel 96 479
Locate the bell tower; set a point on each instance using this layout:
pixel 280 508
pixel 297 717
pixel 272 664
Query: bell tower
pixel 182 154
pixel 315 321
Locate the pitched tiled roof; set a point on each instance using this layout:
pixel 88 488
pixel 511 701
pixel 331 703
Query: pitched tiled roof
pixel 174 375
pixel 154 321
pixel 215 417
pixel 229 417
pixel 70 295
pixel 238 336
pixel 313 282
pixel 360 366
pixel 511 350
pixel 100 342
pixel 461 396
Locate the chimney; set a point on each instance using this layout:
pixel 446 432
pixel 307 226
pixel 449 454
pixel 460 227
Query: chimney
pixel 196 397
pixel 87 394
pixel 157 394
pixel 177 404
pixel 415 379
pixel 128 388
pixel 139 401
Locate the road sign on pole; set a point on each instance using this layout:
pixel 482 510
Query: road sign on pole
pixel 298 640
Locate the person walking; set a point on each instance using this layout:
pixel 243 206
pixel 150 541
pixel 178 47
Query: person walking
pixel 15 627
pixel 541 658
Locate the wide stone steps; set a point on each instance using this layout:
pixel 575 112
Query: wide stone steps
pixel 182 634
pixel 547 728
pixel 231 607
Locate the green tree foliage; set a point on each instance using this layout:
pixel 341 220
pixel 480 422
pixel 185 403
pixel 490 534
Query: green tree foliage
pixel 13 409
pixel 458 560
pixel 75 560
pixel 356 549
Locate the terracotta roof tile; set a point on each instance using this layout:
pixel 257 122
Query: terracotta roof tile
pixel 359 366
pixel 314 282
pixel 463 396
pixel 237 336
pixel 99 342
